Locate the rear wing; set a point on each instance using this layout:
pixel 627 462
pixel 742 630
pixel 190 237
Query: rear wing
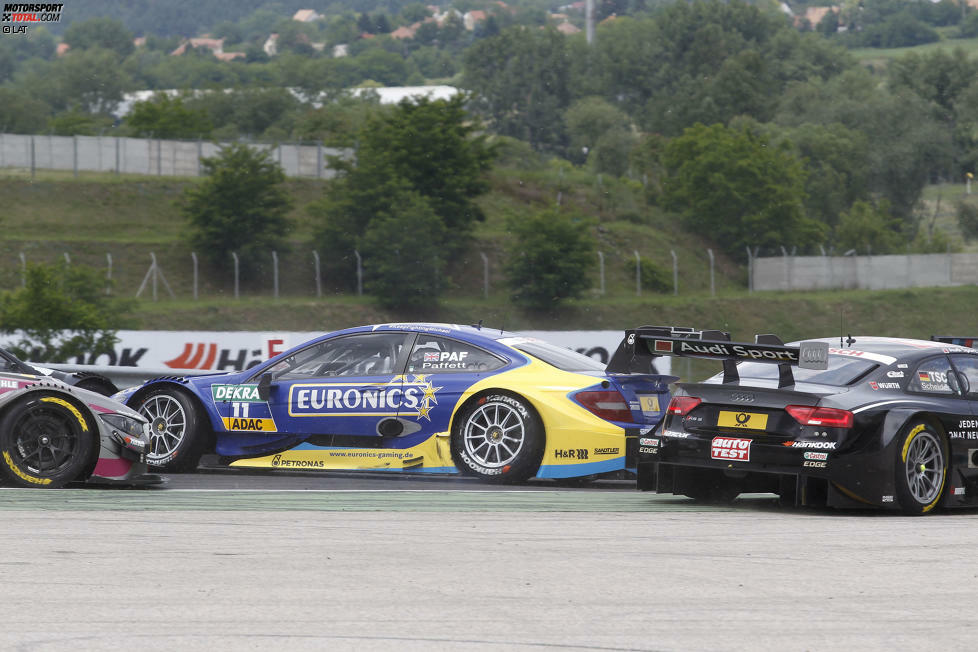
pixel 641 345
pixel 970 342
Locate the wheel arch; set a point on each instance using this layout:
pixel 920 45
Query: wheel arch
pixel 482 393
pixel 136 399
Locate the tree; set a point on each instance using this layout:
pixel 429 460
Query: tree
pixel 548 259
pixel 422 147
pixel 869 229
pixel 62 311
pixel 522 84
pixel 588 119
pixel 107 33
pixel 733 187
pixel 240 207
pixel 163 116
pixel 402 267
pixel 20 113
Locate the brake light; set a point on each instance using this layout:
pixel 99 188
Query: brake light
pixel 808 415
pixel 607 404
pixel 682 405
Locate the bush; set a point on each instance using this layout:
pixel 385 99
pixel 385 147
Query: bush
pixel 655 277
pixel 968 219
pixel 549 259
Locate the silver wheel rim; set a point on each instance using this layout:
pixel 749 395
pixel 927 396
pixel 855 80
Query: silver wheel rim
pixel 168 423
pixel 494 435
pixel 925 468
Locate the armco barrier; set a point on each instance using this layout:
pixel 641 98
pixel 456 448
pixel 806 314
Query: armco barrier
pixel 864 272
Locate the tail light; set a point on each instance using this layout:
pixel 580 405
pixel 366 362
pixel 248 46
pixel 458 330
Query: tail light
pixel 682 405
pixel 607 404
pixel 808 415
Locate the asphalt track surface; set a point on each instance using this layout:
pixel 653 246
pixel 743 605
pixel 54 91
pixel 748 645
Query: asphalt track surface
pixel 244 561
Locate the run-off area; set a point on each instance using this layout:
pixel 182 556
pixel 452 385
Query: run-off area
pixel 543 574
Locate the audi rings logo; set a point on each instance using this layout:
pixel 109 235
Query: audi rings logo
pixel 813 355
pixel 742 397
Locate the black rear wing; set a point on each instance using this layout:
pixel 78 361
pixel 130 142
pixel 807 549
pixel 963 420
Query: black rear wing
pixel 641 345
pixel 970 342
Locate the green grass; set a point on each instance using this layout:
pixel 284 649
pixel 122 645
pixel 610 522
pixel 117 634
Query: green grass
pixel 880 57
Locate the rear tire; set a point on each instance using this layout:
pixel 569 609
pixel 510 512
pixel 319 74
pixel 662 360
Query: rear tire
pixel 921 467
pixel 176 440
pixel 498 438
pixel 45 442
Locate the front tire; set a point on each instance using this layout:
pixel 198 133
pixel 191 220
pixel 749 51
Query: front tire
pixel 176 440
pixel 498 438
pixel 921 467
pixel 45 442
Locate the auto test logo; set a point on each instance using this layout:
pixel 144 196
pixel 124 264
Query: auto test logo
pixel 730 448
pixel 18 17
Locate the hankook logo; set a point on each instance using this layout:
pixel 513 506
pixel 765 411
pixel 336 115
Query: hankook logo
pixel 743 397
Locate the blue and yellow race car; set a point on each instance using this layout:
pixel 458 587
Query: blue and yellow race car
pixel 434 398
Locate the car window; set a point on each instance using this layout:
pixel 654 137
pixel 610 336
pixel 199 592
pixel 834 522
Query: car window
pixel 931 376
pixel 968 366
pixel 444 355
pixel 564 359
pixel 843 370
pixel 370 354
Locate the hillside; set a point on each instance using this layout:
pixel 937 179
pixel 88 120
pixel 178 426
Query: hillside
pixel 132 217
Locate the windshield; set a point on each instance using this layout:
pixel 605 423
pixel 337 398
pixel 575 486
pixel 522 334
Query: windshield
pixel 842 371
pixel 564 359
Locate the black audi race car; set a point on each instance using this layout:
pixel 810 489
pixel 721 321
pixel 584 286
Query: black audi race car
pixel 853 422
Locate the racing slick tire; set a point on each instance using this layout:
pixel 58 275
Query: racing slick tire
pixel 176 438
pixel 498 438
pixel 921 467
pixel 45 442
pixel 98 384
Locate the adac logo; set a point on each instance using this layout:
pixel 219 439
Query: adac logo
pixel 403 396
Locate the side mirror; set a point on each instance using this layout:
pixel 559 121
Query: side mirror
pixel 964 382
pixel 265 386
pixel 953 382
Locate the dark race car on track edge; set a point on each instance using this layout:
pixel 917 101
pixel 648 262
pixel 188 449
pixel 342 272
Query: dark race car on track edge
pixel 431 398
pixel 865 421
pixel 52 434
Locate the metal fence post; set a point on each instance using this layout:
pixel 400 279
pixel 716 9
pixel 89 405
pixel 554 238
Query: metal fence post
pixel 74 156
pixel 117 155
pixel 675 273
pixel 485 275
pixel 236 274
pixel 200 155
pixel 787 273
pixel 319 282
pixel 750 271
pixel 193 256
pixel 638 274
pixel 359 273
pixel 23 270
pixel 275 273
pixel 319 159
pixel 601 270
pixel 713 290
pixel 159 157
pixel 108 274
pixel 67 259
pixel 33 158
